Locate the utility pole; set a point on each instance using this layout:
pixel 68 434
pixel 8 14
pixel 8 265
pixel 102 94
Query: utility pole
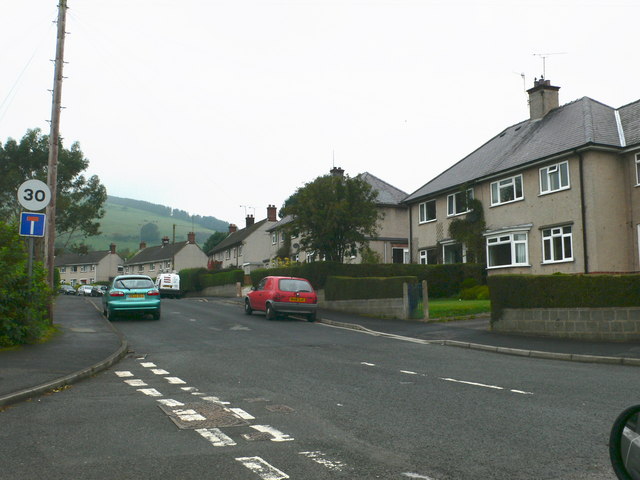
pixel 52 169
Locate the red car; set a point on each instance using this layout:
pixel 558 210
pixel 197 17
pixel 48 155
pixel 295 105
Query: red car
pixel 282 295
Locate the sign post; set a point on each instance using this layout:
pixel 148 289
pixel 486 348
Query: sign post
pixel 33 195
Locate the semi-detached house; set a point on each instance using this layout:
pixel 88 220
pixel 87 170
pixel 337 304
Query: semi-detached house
pixel 560 192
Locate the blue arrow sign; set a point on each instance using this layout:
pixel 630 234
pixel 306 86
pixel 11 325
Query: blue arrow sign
pixel 32 224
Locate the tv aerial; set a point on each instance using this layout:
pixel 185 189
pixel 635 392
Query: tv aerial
pixel 544 60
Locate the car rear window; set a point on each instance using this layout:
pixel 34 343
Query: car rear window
pixel 130 283
pixel 291 285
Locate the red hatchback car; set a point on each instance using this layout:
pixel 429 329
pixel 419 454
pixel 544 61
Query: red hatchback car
pixel 282 295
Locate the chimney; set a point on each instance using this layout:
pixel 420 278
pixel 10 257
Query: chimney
pixel 233 228
pixel 337 172
pixel 271 213
pixel 112 248
pixel 542 98
pixel 191 237
pixel 143 245
pixel 250 220
pixel 165 241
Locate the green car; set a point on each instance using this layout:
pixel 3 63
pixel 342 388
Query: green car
pixel 131 294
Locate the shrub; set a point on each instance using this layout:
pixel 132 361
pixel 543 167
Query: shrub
pixel 478 292
pixel 24 314
pixel 351 288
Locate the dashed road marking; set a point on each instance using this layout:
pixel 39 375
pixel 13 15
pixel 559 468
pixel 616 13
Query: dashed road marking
pixel 135 383
pixel 215 400
pixel 169 402
pixel 368 364
pixel 159 371
pixel 148 364
pixel 261 468
pixel 416 475
pixel 319 458
pixel 175 381
pixel 277 435
pixel 521 392
pixel 123 374
pixel 475 384
pixel 189 415
pixel 216 437
pixel 408 372
pixel 241 414
pixel 152 392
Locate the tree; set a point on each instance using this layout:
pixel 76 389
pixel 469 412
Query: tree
pixel 149 233
pixel 213 240
pixel 334 216
pixel 79 199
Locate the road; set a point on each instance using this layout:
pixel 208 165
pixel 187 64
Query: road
pixel 208 392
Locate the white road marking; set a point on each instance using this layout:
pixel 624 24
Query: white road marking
pixel 262 468
pixel 135 383
pixel 238 412
pixel 216 437
pixel 169 402
pixel 148 364
pixel 239 327
pixel 368 364
pixel 189 415
pixel 319 457
pixel 521 392
pixel 124 374
pixel 192 320
pixel 152 392
pixel 159 371
pixel 415 475
pixel 215 400
pixel 189 389
pixel 277 435
pixel 175 381
pixel 472 383
pixel 408 372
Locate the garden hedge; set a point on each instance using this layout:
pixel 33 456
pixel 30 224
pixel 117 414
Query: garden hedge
pixel 351 288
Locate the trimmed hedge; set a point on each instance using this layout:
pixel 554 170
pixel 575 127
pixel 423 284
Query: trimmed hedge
pixel 196 279
pixel 351 288
pixel 563 291
pixel 443 280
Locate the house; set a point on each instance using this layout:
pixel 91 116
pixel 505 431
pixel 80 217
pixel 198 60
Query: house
pixel 166 257
pixel 88 268
pixel 247 248
pixel 559 192
pixel 391 244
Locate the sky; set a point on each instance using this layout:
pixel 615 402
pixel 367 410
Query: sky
pixel 223 107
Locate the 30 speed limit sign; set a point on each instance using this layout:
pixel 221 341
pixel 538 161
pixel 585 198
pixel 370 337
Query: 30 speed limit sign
pixel 34 195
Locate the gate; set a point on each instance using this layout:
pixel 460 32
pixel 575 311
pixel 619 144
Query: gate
pixel 415 294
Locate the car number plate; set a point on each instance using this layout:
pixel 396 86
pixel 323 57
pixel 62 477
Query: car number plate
pixel 298 299
pixel 136 295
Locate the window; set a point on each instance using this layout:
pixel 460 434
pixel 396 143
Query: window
pixel 74 268
pixel 126 269
pixel 457 203
pixel 637 168
pixel 63 269
pixel 427 211
pixel 554 178
pixel 507 190
pixel 509 250
pixel 453 253
pixel 93 268
pixel 228 254
pixel 152 267
pixel 141 268
pixel 240 250
pixel 428 256
pixel 274 238
pixel 557 244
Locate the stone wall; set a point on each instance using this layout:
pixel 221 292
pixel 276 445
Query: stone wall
pixel 598 324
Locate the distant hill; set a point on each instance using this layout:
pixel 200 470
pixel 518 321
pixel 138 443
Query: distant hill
pixel 125 217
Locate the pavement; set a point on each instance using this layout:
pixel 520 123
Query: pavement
pixel 88 343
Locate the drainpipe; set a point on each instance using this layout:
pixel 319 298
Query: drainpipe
pixel 583 209
pixel 410 236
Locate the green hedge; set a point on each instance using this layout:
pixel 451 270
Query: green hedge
pixel 351 288
pixel 443 280
pixel 196 279
pixel 563 291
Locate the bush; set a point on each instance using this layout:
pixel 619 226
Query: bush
pixel 351 288
pixel 24 314
pixel 479 292
pixel 196 279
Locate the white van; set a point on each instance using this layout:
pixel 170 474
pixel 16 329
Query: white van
pixel 169 285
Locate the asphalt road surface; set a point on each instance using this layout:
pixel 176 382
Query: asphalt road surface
pixel 210 393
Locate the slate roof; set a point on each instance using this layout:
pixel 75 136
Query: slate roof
pixel 237 237
pixel 156 253
pixel 387 194
pixel 281 223
pixel 89 258
pixel 580 123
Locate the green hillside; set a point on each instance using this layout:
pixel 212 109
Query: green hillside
pixel 123 222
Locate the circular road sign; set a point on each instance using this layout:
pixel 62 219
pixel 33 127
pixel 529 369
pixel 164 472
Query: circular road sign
pixel 34 195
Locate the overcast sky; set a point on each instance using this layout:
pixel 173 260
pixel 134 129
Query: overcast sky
pixel 212 106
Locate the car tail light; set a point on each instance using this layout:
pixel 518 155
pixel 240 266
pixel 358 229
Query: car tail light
pixel 116 294
pixel 277 297
pixel 152 293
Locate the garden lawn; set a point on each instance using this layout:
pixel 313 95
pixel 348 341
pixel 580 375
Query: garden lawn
pixel 449 308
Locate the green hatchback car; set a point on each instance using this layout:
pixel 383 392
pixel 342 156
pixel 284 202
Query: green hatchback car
pixel 131 294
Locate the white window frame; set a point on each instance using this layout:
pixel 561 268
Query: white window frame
pixel 514 239
pixel 507 184
pixel 424 257
pixel 452 207
pixel 546 177
pixel 452 244
pixel 637 169
pixel 152 267
pixel 423 212
pixel 63 269
pixel 141 268
pixel 274 238
pixel 549 244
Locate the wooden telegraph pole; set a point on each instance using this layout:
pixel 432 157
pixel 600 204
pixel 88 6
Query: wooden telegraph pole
pixel 52 170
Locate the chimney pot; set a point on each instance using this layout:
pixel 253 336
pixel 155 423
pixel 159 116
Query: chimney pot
pixel 143 245
pixel 543 97
pixel 271 213
pixel 112 248
pixel 233 228
pixel 250 220
pixel 191 237
pixel 337 172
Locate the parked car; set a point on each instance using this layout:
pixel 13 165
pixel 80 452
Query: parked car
pixel 282 295
pixel 98 290
pixel 169 285
pixel 67 290
pixel 131 294
pixel 84 290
